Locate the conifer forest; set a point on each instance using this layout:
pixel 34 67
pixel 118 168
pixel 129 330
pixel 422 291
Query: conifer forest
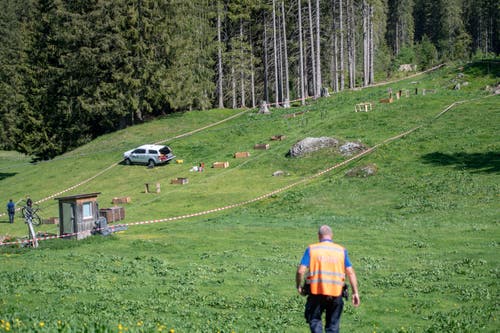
pixel 71 70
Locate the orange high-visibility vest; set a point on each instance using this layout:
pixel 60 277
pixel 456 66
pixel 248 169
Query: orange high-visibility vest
pixel 326 269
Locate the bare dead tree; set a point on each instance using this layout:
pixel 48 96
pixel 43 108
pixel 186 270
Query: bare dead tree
pixel 366 60
pixel 371 46
pixel 220 92
pixel 252 76
pixel 301 60
pixel 351 43
pixel 233 85
pixel 242 72
pixel 318 52
pixel 266 68
pixel 341 50
pixel 276 89
pixel 368 46
pixel 285 50
pixel 313 53
pixel 334 71
pixel 279 22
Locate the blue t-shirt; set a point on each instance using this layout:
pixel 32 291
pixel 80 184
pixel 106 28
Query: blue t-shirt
pixel 306 258
pixel 11 207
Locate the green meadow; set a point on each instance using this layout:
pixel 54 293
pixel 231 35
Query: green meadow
pixel 422 233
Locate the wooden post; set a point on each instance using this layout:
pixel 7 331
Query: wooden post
pixel 149 190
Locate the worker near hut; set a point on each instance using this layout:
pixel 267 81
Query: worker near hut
pixel 327 264
pixel 11 210
pixel 29 202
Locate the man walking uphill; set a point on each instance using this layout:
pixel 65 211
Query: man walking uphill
pixel 327 264
pixel 11 209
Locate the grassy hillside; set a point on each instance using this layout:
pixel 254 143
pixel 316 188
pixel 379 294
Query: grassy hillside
pixel 422 234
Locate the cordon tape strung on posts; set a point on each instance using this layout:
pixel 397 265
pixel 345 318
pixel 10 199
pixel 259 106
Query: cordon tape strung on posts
pixel 264 196
pixel 204 128
pixel 158 142
pixel 116 163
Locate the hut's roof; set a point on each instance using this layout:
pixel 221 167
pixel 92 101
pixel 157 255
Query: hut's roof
pixel 79 196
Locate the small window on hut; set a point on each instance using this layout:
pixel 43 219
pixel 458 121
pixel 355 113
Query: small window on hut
pixel 87 210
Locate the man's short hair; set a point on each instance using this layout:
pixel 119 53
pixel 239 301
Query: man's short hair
pixel 325 230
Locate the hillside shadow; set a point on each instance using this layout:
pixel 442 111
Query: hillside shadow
pixel 488 162
pixel 4 175
pixel 483 67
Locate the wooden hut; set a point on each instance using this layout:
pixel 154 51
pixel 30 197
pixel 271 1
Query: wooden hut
pixel 78 214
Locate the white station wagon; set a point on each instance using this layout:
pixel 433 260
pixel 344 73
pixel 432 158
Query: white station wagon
pixel 149 155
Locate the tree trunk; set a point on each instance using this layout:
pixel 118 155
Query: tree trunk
pixel 276 89
pixel 336 62
pixel 301 60
pixel 365 45
pixel 351 40
pixel 285 50
pixel 341 51
pixel 313 54
pixel 371 46
pixel 280 56
pixel 266 68
pixel 335 53
pixel 318 55
pixel 233 85
pixel 242 72
pixel 396 39
pixel 252 76
pixel 219 60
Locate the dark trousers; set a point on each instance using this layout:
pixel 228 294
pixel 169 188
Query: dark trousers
pixel 11 217
pixel 331 306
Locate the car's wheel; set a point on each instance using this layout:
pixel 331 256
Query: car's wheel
pixel 151 164
pixel 127 161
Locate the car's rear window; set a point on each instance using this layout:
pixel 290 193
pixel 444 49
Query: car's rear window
pixel 165 150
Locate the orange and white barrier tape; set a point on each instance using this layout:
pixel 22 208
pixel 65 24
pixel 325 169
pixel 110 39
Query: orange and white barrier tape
pixel 195 131
pixel 264 196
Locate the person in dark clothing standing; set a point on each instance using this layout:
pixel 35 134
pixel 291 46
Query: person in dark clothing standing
pixel 11 209
pixel 327 265
pixel 29 202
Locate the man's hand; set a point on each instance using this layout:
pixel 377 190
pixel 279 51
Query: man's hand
pixel 354 284
pixel 355 300
pixel 299 277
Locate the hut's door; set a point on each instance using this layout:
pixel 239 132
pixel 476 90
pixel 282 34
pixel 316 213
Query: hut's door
pixel 68 210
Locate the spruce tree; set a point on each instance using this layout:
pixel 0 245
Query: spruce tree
pixel 12 68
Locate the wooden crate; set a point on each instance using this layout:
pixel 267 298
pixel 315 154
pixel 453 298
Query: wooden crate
pixel 221 165
pixel 262 146
pixel 278 137
pixel 293 115
pixel 121 200
pixel 180 181
pixel 363 107
pixel 241 154
pixel 51 220
pixel 112 214
pixel 387 100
